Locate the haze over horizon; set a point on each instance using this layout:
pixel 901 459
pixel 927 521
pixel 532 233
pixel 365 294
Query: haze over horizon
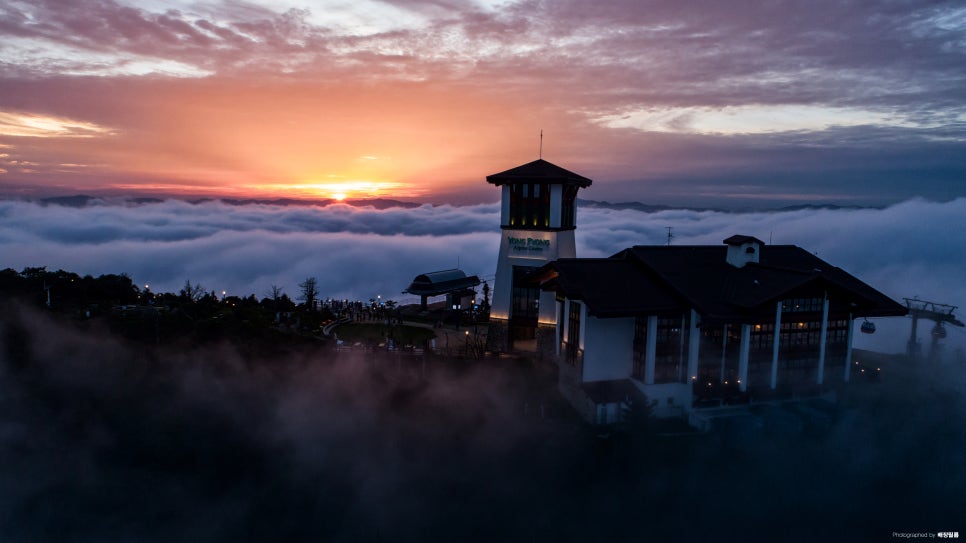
pixel 699 104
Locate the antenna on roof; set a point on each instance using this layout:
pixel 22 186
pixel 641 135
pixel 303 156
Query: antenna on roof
pixel 669 235
pixel 541 144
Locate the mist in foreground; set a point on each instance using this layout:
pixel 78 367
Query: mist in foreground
pixel 104 440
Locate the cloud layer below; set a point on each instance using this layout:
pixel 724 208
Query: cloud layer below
pixel 906 250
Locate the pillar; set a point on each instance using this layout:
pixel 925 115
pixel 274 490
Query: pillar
pixel 743 357
pixel 694 343
pixel 724 353
pixel 821 342
pixel 776 341
pixel 650 353
pixel 848 350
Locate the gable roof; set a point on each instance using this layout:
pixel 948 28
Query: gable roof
pixel 717 289
pixel 739 239
pixel 653 280
pixel 538 171
pixel 610 287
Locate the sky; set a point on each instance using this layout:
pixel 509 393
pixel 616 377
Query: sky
pixel 705 103
pixel 911 249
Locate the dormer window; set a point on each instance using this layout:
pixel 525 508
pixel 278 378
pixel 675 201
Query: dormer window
pixel 742 250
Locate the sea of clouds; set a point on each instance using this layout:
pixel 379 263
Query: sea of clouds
pixel 911 249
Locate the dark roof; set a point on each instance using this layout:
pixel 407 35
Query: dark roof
pixel 719 290
pixel 738 239
pixel 660 279
pixel 538 171
pixel 441 282
pixel 610 287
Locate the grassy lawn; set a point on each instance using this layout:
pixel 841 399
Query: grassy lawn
pixel 374 333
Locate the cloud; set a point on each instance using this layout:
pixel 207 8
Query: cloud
pixel 905 250
pixel 27 125
pixel 238 93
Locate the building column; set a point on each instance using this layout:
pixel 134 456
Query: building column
pixel 558 333
pixel 848 350
pixel 776 341
pixel 724 353
pixel 821 341
pixel 743 357
pixel 650 350
pixel 694 343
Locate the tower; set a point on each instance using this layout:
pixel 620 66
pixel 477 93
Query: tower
pixel 538 218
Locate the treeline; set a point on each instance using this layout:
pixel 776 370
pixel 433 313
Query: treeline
pixel 193 313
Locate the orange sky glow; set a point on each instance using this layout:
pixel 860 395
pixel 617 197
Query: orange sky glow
pixel 422 100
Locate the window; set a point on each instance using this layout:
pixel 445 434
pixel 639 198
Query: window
pixel 640 346
pixel 526 300
pixel 568 209
pixel 672 349
pixel 573 333
pixel 530 205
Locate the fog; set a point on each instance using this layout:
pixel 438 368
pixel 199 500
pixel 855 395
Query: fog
pixel 905 250
pixel 107 441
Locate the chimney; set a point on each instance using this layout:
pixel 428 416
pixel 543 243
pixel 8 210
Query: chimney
pixel 743 250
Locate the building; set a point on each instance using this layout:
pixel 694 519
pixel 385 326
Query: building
pixel 682 328
pixel 692 327
pixel 538 218
pixel 454 284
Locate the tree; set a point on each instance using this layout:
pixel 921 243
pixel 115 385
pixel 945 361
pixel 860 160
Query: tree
pixel 485 306
pixel 192 293
pixel 276 293
pixel 310 292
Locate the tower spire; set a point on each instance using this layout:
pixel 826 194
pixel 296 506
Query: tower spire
pixel 540 156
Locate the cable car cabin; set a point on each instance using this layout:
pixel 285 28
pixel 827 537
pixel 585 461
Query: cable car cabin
pixel 939 331
pixel 868 327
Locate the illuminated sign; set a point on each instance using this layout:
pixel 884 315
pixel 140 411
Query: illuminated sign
pixel 528 245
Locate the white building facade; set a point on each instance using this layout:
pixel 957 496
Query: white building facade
pixel 690 327
pixel 537 219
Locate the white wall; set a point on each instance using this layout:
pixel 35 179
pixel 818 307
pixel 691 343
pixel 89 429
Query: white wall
pixel 561 245
pixel 608 348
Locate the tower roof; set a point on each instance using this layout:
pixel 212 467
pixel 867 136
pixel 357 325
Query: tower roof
pixel 538 171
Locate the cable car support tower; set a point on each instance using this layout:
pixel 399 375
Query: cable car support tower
pixel 939 314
